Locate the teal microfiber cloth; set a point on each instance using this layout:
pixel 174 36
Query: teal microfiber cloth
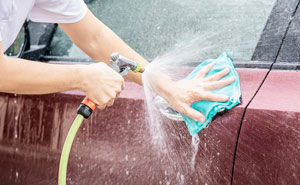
pixel 209 108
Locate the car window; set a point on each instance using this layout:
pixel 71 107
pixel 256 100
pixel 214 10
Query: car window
pixel 16 47
pixel 154 27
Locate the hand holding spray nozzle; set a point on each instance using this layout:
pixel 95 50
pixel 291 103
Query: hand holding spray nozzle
pixel 121 65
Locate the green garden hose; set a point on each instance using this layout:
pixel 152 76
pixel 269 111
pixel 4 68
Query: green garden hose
pixel 63 164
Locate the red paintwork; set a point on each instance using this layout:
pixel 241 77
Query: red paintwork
pixel 281 92
pixel 114 145
pixel 269 144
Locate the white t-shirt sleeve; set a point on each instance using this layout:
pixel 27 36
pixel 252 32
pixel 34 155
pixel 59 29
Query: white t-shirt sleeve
pixel 0 35
pixel 58 11
pixel 1 29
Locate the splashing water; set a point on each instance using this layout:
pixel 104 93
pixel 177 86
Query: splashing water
pixel 171 64
pixel 186 53
pixel 174 64
pixel 155 120
pixel 195 142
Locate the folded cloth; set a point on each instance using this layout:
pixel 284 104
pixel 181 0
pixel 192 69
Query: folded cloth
pixel 209 108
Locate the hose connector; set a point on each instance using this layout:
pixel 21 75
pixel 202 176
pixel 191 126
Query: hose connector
pixel 86 108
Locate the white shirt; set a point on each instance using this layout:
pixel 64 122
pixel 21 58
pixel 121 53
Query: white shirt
pixel 14 12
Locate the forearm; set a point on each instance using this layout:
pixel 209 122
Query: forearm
pixel 99 42
pixel 27 77
pixel 109 38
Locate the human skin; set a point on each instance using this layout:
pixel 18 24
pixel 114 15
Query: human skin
pixel 98 81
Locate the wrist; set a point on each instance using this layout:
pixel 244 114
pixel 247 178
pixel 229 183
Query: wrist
pixel 161 83
pixel 165 88
pixel 80 73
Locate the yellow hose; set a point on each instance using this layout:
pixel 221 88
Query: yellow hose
pixel 63 163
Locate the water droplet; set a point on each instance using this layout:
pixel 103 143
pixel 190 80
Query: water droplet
pixel 126 157
pixel 195 143
pixel 17 174
pixel 127 172
pixel 181 179
pixel 218 153
pixel 195 139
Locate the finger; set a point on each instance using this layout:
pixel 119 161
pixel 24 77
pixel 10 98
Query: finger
pixel 218 75
pixel 205 70
pixel 123 84
pixel 118 94
pixel 219 84
pixel 110 103
pixel 103 102
pixel 214 97
pixel 101 106
pixel 192 113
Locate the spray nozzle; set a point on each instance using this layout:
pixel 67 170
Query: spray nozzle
pixel 123 65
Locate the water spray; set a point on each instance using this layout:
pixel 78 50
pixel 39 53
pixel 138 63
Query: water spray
pixel 166 110
pixel 121 65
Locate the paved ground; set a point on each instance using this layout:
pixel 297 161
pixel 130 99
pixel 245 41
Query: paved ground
pixel 155 26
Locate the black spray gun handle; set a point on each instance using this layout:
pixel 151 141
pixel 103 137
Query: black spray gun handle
pixel 121 65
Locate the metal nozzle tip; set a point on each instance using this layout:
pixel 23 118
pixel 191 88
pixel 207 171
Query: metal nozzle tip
pixel 114 56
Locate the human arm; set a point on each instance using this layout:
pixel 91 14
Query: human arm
pixel 98 41
pixel 98 81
